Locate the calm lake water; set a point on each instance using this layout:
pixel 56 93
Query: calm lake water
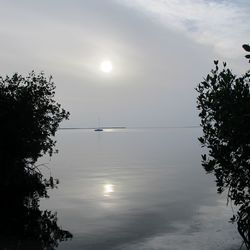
pixel 140 189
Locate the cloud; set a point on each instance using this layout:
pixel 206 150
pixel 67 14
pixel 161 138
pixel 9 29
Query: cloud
pixel 224 25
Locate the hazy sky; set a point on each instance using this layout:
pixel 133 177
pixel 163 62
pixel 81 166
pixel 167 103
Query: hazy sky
pixel 160 51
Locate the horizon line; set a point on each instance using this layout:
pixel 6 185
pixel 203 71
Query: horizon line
pixel 132 127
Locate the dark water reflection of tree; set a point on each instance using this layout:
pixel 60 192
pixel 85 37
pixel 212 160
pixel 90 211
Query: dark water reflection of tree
pixel 25 226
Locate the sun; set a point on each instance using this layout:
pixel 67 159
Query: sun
pixel 106 66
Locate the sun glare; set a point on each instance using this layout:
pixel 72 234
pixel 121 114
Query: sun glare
pixel 108 189
pixel 106 66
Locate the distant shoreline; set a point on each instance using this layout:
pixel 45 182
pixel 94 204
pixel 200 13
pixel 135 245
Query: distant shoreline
pixel 94 128
pixel 163 127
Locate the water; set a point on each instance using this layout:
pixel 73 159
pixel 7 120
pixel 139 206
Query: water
pixel 137 189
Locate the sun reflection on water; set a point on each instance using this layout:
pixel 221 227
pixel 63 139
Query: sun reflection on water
pixel 108 189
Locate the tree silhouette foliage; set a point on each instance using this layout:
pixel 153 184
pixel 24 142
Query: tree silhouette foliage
pixel 29 119
pixel 246 47
pixel 224 104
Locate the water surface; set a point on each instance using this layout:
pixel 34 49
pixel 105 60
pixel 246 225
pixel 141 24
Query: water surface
pixel 137 189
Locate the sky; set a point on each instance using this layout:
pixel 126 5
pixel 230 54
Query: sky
pixel 160 50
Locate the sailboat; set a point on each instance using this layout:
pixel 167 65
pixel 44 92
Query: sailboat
pixel 98 129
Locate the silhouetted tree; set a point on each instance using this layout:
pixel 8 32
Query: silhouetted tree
pixel 29 118
pixel 224 104
pixel 246 47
